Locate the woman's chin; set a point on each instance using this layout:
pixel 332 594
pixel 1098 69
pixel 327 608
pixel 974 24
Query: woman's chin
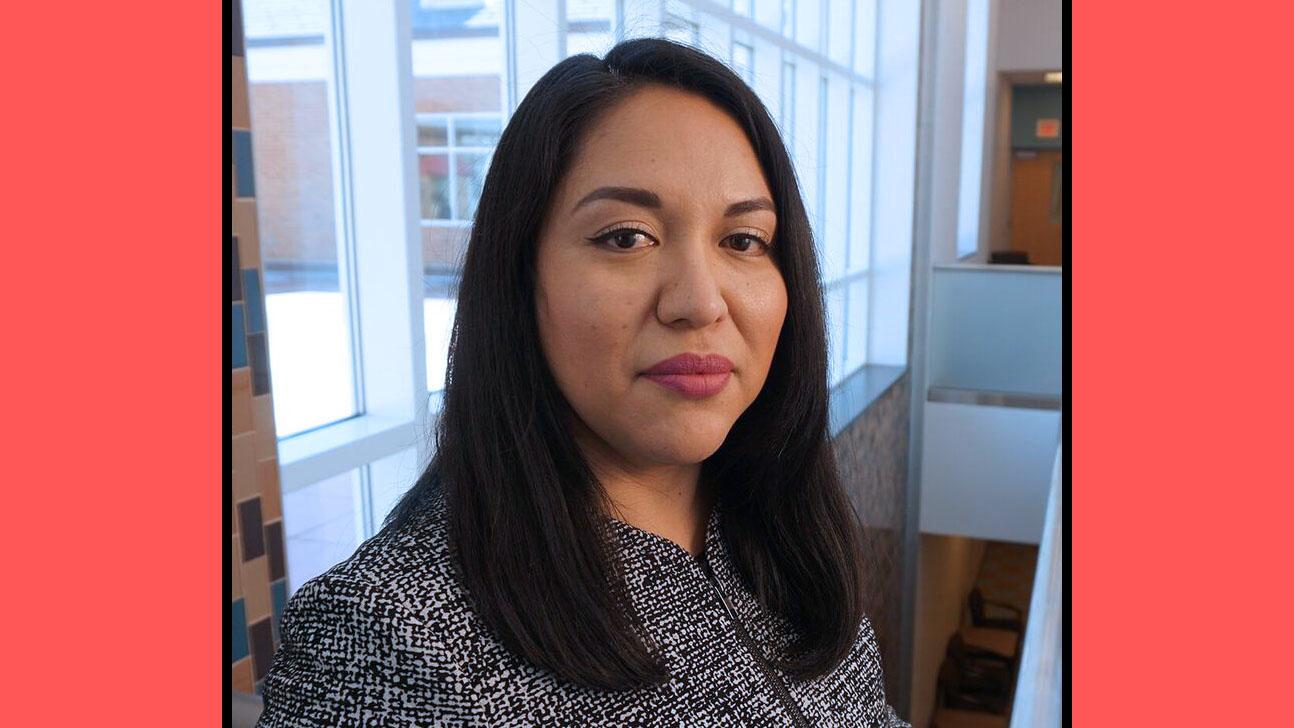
pixel 686 445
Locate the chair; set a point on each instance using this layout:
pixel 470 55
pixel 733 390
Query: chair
pixel 1008 257
pixel 1001 642
pixel 954 691
pixel 990 670
pixel 980 616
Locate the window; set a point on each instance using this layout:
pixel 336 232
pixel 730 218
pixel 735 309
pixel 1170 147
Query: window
pixel 296 156
pixel 680 27
pixel 589 26
pixel 368 183
pixel 453 155
pixel 743 61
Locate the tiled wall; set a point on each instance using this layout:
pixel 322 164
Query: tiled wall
pixel 872 454
pixel 258 579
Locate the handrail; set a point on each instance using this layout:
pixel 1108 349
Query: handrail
pixel 1038 691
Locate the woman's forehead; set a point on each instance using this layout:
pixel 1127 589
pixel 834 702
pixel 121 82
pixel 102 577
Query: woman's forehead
pixel 676 144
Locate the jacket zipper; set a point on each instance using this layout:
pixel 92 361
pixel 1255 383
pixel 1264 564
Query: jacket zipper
pixel 778 686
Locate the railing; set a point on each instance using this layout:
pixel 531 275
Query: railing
pixel 992 413
pixel 1038 692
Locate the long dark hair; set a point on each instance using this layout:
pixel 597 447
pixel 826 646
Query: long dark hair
pixel 523 503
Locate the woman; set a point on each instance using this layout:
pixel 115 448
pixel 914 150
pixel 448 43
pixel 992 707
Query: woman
pixel 633 515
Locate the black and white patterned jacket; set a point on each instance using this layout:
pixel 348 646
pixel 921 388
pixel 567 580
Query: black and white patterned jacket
pixel 388 638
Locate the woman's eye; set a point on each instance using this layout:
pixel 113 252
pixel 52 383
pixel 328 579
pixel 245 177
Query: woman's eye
pixel 745 243
pixel 623 239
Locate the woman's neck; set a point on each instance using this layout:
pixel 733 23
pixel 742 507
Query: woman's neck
pixel 665 499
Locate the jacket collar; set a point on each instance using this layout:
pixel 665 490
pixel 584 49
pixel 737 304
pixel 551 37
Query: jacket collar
pixel 654 559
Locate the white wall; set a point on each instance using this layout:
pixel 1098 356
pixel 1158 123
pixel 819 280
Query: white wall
pixel 962 114
pixel 946 116
pixel 985 470
pixel 945 574
pixel 898 30
pixel 1029 37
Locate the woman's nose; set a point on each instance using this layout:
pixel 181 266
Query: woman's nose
pixel 690 290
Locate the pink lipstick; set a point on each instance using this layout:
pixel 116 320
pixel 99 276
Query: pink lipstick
pixel 692 375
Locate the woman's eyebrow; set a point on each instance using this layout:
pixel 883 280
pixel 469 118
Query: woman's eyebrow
pixel 649 199
pixel 741 208
pixel 631 195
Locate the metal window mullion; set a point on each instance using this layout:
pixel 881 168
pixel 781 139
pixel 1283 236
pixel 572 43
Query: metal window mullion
pixel 757 30
pixel 871 218
pixel 344 206
pixel 849 179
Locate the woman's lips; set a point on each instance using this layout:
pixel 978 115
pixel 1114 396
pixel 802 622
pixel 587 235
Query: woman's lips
pixel 692 375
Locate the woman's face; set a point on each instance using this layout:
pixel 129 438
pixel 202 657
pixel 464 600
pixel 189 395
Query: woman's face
pixel 656 245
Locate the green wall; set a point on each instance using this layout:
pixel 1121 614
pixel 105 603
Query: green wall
pixel 1030 103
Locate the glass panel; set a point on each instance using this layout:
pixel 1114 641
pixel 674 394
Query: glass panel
pixel 433 132
pixel 835 333
pixel 741 7
pixel 292 102
pixel 477 131
pixel 680 23
pixel 458 80
pixel 391 477
pixel 743 61
pixel 768 13
pixel 860 184
pixel 433 181
pixel 471 168
pixel 682 30
pixel 856 335
pixel 323 523
pixel 786 109
pixel 439 305
pixel 865 37
pixel 588 26
pixel 839 35
pixel 767 75
pixel 836 192
pixel 804 134
pixel 715 35
pixel 788 18
pixel 808 23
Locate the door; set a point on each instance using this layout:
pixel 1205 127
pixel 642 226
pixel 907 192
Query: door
pixel 1036 208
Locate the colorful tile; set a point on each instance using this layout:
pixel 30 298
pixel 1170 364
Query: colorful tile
pixel 279 598
pixel 259 359
pixel 240 400
pixel 253 300
pixel 267 444
pixel 249 246
pixel 262 639
pixel 243 453
pixel 274 549
pixel 236 568
pixel 238 630
pixel 235 272
pixel 249 523
pixel 238 337
pixel 239 114
pixel 242 678
pixel 267 477
pixel 244 176
pixel 256 590
pixel 236 30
